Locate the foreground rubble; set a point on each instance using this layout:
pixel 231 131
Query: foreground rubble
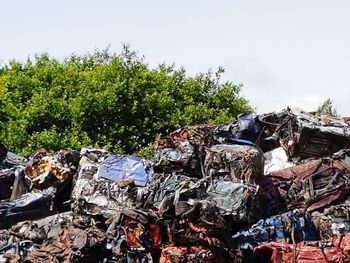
pixel 266 188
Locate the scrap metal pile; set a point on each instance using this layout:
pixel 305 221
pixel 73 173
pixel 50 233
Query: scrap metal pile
pixel 266 188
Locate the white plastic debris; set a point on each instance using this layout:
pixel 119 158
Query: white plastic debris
pixel 275 160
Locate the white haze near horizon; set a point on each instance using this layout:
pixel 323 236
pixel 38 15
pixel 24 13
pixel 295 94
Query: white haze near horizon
pixel 293 53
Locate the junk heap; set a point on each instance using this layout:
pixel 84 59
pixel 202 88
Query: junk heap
pixel 265 188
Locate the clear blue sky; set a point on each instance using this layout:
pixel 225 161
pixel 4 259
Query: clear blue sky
pixel 293 53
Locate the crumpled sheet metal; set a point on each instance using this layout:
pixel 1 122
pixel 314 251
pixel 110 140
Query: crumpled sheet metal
pixel 45 171
pixel 196 135
pixel 93 194
pixel 71 245
pixel 40 230
pixel 239 201
pixel 168 190
pixel 306 135
pixel 12 182
pixel 183 150
pixel 238 163
pixel 187 232
pixel 44 240
pixel 332 221
pixel 335 250
pixel 205 213
pixel 12 160
pixel 30 206
pixel 24 237
pixel 7 180
pixel 297 225
pixel 133 230
pixel 120 168
pixel 189 254
pixel 181 155
pixel 311 185
pixel 40 188
pixel 208 199
pixel 100 197
pixel 243 131
pixel 321 189
pixel 177 156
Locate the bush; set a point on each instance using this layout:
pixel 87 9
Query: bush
pixel 106 100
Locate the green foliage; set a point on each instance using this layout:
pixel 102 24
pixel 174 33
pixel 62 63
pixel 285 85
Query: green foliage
pixel 106 100
pixel 327 108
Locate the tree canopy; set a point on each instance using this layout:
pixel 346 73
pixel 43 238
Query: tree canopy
pixel 327 108
pixel 107 100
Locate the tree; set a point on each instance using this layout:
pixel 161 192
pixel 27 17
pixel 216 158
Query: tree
pixel 106 100
pixel 327 108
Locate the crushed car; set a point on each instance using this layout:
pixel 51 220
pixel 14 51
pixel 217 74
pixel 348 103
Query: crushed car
pixel 263 188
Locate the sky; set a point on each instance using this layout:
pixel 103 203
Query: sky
pixel 285 53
